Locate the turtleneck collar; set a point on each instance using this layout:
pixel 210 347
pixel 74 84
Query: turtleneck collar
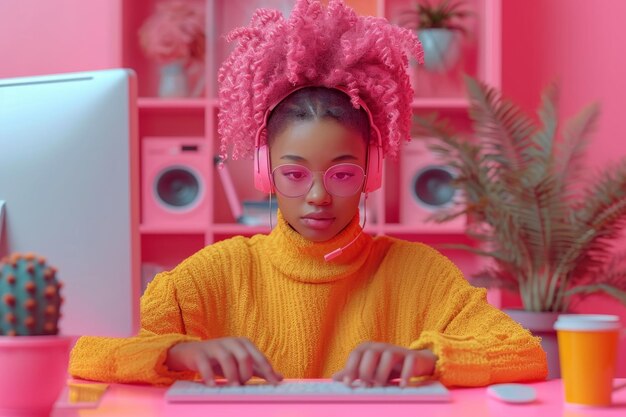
pixel 303 260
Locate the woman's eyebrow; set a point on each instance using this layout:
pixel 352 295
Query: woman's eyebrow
pixel 296 158
pixel 346 157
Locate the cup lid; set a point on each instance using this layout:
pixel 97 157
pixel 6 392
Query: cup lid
pixel 587 322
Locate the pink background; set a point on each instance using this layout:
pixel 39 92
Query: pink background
pixel 574 42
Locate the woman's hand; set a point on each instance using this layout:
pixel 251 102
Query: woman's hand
pixel 376 364
pixel 235 358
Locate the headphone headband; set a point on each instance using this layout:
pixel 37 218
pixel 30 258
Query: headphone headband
pixel 373 172
pixel 360 102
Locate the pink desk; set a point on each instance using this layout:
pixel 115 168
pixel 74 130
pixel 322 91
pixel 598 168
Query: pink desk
pixel 140 401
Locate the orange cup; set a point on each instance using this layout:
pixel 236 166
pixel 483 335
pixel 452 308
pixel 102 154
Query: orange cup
pixel 588 355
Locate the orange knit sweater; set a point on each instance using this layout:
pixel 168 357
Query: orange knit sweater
pixel 306 315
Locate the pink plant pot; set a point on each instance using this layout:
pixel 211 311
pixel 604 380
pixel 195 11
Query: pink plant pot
pixel 34 370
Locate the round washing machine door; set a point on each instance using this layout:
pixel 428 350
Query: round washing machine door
pixel 433 187
pixel 178 188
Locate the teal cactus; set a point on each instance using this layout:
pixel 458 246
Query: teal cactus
pixel 30 296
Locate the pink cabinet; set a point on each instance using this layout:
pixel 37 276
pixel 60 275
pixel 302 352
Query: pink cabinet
pixel 73 35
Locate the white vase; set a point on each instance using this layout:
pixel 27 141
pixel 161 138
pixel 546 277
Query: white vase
pixel 442 48
pixel 173 80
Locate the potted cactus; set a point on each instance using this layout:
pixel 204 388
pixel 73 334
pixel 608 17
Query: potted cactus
pixel 33 356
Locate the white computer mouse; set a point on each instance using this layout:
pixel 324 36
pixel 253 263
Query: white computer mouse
pixel 512 393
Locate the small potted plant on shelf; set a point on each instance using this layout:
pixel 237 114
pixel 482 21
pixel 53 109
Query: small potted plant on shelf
pixel 174 36
pixel 548 230
pixel 439 27
pixel 33 356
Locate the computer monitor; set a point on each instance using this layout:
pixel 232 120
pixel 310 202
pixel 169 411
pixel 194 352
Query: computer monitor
pixel 68 167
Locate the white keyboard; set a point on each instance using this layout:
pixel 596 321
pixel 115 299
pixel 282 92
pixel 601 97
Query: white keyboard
pixel 306 391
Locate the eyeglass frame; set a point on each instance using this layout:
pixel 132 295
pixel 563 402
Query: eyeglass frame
pixel 360 189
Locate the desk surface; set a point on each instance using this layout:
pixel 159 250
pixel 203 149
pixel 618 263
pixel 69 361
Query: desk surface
pixel 144 401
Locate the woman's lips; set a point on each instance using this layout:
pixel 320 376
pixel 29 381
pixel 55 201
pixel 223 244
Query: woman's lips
pixel 318 223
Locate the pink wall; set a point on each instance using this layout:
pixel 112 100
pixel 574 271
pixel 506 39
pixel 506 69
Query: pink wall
pixel 579 44
pixel 576 42
pixel 53 36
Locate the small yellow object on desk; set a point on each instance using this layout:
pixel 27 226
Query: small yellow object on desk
pixel 85 392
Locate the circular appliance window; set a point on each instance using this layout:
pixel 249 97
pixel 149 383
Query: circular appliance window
pixel 178 188
pixel 433 186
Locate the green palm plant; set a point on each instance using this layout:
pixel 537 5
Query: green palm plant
pixel 549 232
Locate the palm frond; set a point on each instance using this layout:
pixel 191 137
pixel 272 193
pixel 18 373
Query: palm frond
pixel 614 292
pixel 604 213
pixel 491 277
pixel 500 124
pixel 570 153
pixel 612 272
pixel 540 151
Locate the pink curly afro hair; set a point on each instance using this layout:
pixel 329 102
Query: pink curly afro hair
pixel 324 46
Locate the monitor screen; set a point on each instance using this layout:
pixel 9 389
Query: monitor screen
pixel 68 150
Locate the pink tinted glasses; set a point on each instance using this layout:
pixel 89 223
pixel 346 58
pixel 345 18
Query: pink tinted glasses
pixel 341 180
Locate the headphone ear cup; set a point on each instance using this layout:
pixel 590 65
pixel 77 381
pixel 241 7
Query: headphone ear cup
pixel 374 173
pixel 262 180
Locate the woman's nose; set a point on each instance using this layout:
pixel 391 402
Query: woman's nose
pixel 318 195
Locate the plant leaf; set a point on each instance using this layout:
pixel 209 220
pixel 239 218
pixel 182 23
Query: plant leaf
pixel 604 213
pixel 576 136
pixel 614 292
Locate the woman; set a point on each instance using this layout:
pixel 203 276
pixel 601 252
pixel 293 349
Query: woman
pixel 317 100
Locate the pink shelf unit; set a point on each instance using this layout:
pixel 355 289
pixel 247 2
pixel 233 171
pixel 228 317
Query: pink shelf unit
pixel 183 103
pixel 197 117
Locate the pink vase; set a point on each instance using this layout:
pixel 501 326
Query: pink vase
pixel 34 371
pixel 541 324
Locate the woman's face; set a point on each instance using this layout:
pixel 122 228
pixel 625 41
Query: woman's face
pixel 318 145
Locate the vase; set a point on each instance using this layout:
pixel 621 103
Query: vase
pixel 442 48
pixel 173 80
pixel 34 371
pixel 541 324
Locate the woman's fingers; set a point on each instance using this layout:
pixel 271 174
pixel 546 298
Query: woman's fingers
pixel 386 364
pixel 205 369
pixel 228 364
pixel 243 357
pixel 369 365
pixel 351 371
pixel 377 363
pixel 236 359
pixel 261 363
pixel 408 367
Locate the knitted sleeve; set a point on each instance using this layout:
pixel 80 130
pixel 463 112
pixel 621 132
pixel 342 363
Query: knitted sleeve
pixel 138 359
pixel 476 343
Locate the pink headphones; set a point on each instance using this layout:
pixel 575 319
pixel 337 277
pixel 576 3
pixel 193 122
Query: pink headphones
pixel 262 171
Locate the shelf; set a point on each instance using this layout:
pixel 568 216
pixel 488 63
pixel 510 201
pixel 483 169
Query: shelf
pixel 460 103
pixel 166 104
pixel 173 230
